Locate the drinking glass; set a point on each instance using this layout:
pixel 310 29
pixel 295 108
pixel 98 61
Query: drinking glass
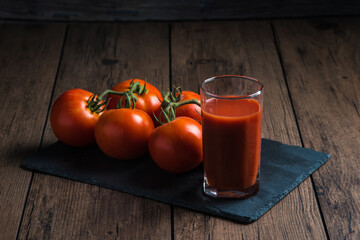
pixel 231 110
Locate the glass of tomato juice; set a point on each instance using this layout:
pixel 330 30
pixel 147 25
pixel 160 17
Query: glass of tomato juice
pixel 231 110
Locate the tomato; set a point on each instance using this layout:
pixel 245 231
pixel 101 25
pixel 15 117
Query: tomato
pixel 189 110
pixel 176 146
pixel 124 133
pixel 72 122
pixel 149 102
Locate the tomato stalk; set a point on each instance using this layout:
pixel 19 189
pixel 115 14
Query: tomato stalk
pixel 97 106
pixel 171 101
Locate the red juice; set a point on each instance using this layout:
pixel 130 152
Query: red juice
pixel 232 143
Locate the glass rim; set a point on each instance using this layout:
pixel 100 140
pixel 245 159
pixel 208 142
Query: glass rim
pixel 255 94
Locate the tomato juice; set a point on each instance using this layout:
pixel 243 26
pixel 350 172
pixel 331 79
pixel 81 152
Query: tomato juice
pixel 232 143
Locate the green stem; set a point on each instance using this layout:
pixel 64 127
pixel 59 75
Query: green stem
pixel 134 88
pixel 167 119
pixel 171 101
pixel 176 94
pixel 130 97
pixel 168 108
pixel 108 91
pixel 95 105
pixel 190 101
pixel 167 97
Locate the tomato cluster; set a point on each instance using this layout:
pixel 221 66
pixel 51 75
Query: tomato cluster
pixel 131 119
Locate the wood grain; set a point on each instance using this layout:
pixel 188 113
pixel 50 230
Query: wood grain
pixel 96 57
pixel 202 50
pixel 29 55
pixel 321 58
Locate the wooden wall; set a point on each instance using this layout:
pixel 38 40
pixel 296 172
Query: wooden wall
pixel 140 10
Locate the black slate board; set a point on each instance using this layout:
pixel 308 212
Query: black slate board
pixel 283 167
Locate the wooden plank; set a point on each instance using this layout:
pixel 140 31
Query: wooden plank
pixel 202 50
pixel 96 57
pixel 321 59
pixel 29 56
pixel 140 10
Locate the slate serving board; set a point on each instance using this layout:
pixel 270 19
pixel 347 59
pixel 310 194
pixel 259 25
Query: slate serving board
pixel 283 167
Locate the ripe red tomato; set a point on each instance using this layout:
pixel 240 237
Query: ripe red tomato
pixel 189 110
pixel 149 102
pixel 176 146
pixel 124 133
pixel 73 123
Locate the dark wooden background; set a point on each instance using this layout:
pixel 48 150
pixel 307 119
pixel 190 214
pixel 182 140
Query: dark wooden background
pixel 310 67
pixel 140 10
pixel 311 72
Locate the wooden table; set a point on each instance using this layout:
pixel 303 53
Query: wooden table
pixel 311 72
